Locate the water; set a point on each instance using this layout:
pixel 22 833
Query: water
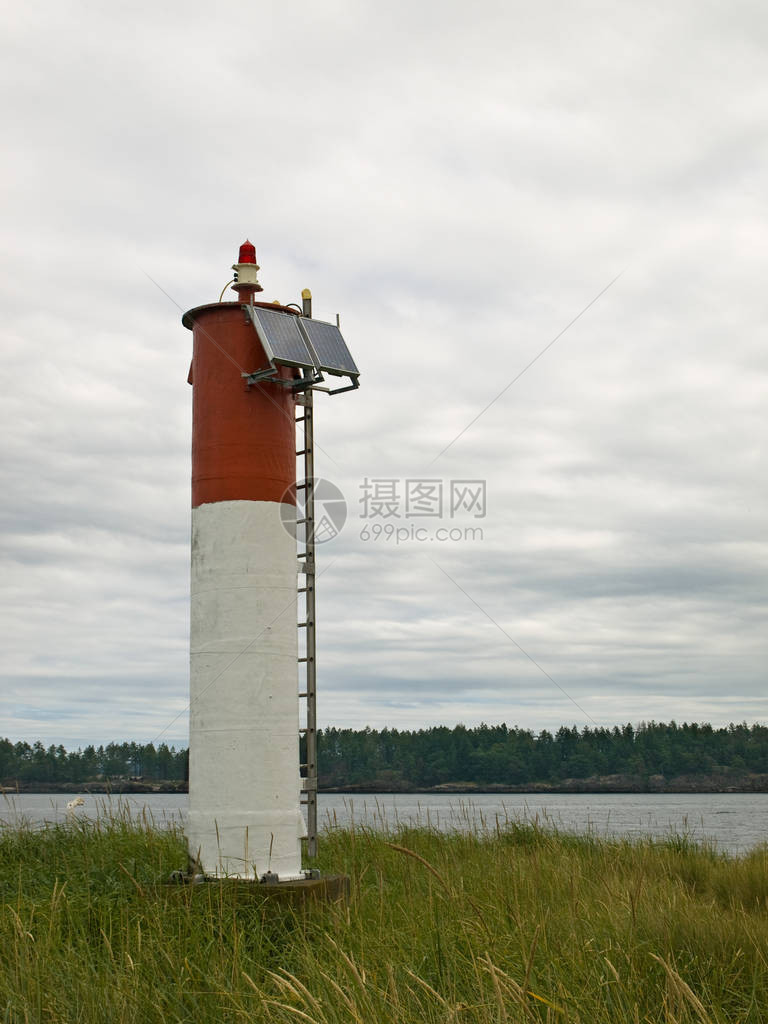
pixel 734 822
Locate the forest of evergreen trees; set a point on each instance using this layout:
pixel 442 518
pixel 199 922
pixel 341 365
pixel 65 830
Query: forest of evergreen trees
pixel 36 763
pixel 395 759
pixel 499 755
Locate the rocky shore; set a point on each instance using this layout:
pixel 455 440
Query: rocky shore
pixel 101 787
pixel 715 783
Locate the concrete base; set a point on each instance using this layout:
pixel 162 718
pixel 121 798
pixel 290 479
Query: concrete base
pixel 326 889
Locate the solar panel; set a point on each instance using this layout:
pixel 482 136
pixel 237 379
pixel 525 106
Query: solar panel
pixel 282 340
pixel 333 356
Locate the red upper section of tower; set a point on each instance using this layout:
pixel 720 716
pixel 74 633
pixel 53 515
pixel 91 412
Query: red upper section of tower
pixel 243 439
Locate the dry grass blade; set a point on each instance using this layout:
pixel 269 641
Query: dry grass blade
pixel 300 990
pixel 421 860
pixel 252 983
pixel 498 993
pixel 682 988
pixel 358 973
pixel 546 1002
pixel 128 874
pixel 392 993
pixel 343 995
pixel 531 954
pixel 425 984
pixel 480 915
pixel 21 930
pixel 517 990
pixel 290 1009
pixel 107 943
pixel 613 970
pixel 501 979
pixel 359 977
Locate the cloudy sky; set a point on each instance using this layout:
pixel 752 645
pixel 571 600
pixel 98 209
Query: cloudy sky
pixel 459 182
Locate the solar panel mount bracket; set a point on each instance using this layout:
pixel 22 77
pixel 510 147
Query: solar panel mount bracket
pixel 259 375
pixel 338 391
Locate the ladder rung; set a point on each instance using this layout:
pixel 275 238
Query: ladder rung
pixel 300 486
pixel 302 660
pixel 303 625
pixel 303 451
pixel 300 522
pixel 300 419
pixel 304 590
pixel 303 731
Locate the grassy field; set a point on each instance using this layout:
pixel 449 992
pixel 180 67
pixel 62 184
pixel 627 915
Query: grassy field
pixel 517 924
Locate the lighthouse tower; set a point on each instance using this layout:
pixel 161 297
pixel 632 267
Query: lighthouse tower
pixel 251 363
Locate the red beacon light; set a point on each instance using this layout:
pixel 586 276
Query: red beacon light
pixel 247 252
pixel 246 271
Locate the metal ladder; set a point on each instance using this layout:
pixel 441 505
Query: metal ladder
pixel 307 692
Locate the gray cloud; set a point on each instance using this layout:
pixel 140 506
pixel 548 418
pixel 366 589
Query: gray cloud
pixel 457 182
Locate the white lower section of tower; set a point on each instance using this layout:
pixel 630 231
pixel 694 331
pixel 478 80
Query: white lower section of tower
pixel 244 811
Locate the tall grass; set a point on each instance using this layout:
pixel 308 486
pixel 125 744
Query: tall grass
pixel 513 923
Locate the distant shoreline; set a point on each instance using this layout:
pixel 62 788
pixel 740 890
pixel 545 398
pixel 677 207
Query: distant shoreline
pixel 718 783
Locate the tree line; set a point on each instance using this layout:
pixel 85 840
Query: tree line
pixel 393 758
pixel 37 763
pixel 498 754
